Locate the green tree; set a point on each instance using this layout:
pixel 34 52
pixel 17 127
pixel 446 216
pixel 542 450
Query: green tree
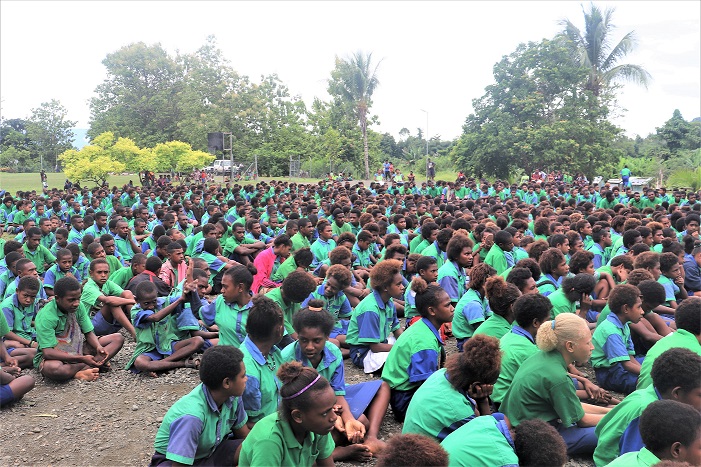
pixel 15 147
pixel 355 80
pixel 50 132
pixel 139 98
pixel 537 116
pixel 594 50
pixel 93 163
pixel 679 134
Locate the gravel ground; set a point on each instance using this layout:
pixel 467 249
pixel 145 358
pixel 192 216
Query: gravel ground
pixel 113 420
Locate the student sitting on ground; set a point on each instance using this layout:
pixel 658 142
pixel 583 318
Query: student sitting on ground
pixel 421 352
pixel 12 386
pixel 451 276
pixel 688 335
pixel 24 268
pixel 490 440
pixel 265 327
pixel 175 268
pixel 63 268
pixel 122 276
pixel 229 311
pixel 501 296
pixel 458 393
pixel 614 361
pixel 374 325
pixel 301 260
pixel 542 388
pixel 672 279
pixel 150 274
pixel 676 375
pixel 671 431
pixel 360 407
pixel 299 433
pixel 294 290
pixel 19 311
pixel 196 429
pixel 240 248
pixel 68 347
pixel 163 326
pixel 110 303
pixel 335 302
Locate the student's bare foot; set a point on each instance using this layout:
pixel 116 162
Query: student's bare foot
pixel 90 374
pixel 352 452
pixel 105 367
pixel 375 445
pixel 153 374
pixel 13 370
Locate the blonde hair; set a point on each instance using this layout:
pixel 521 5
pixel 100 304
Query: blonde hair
pixel 567 327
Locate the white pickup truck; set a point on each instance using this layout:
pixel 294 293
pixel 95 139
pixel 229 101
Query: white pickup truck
pixel 219 167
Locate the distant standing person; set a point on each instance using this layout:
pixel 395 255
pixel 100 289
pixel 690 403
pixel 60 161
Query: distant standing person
pixel 430 169
pixel 386 168
pixel 625 176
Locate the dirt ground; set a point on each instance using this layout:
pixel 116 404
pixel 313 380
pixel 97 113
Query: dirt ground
pixel 113 421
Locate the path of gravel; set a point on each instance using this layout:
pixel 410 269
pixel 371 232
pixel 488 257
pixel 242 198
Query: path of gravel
pixel 113 420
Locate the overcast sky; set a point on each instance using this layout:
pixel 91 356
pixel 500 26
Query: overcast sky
pixel 436 56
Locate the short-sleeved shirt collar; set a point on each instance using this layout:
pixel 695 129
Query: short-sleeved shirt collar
pixel 516 329
pixel 255 352
pixel 380 303
pixel 327 358
pixel 210 400
pixel 433 329
pixel 615 320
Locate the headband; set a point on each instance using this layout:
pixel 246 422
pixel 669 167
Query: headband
pixel 315 308
pixel 301 391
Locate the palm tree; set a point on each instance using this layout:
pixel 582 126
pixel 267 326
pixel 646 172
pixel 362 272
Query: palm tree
pixel 358 80
pixel 594 50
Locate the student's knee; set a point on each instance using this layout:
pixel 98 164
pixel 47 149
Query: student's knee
pixel 197 342
pixel 112 339
pixel 127 294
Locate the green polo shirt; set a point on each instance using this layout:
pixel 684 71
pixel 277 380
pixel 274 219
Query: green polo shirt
pixel 561 303
pixel 610 428
pixel 284 269
pixel 682 338
pixel 484 441
pixel 321 249
pixel 330 366
pixel 231 244
pixel 362 257
pixel 272 442
pixel 229 317
pixel 299 241
pixel 496 326
pixel 496 258
pixel 19 319
pixel 262 394
pixel 39 257
pixel 51 322
pixel 542 389
pixel 122 276
pixel 433 251
pixel 288 309
pixel 4 328
pixel 114 263
pixel 642 458
pixel 416 355
pixel 346 227
pixel 418 244
pixel 194 426
pixel 516 347
pixel 92 291
pixel 605 356
pixel 437 408
pixel 471 311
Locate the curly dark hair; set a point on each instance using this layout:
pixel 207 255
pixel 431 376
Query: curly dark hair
pixel 412 450
pixel 530 307
pixel 676 367
pixel 218 363
pixel 456 245
pixel 538 443
pixel 297 286
pixel 666 422
pixel 383 273
pixel 480 361
pixel 263 317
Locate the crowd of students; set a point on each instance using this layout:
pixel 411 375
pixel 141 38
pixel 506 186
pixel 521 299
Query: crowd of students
pixel 266 288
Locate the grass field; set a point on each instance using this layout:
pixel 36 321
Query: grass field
pixel 12 182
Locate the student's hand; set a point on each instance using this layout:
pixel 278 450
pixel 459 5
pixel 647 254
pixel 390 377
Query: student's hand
pixel 355 431
pixel 480 390
pixel 594 391
pixel 585 302
pixel 679 280
pixel 100 356
pixel 11 362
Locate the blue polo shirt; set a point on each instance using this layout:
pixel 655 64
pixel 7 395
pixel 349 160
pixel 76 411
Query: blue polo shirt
pixel 612 343
pixel 194 426
pixel 229 317
pixel 262 394
pixel 372 322
pixel 330 367
pixel 452 279
pixel 416 355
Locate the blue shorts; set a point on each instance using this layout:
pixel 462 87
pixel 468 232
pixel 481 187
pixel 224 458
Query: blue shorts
pixel 155 355
pixel 359 396
pixel 616 378
pixel 342 329
pixel 399 400
pixel 104 327
pixel 6 395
